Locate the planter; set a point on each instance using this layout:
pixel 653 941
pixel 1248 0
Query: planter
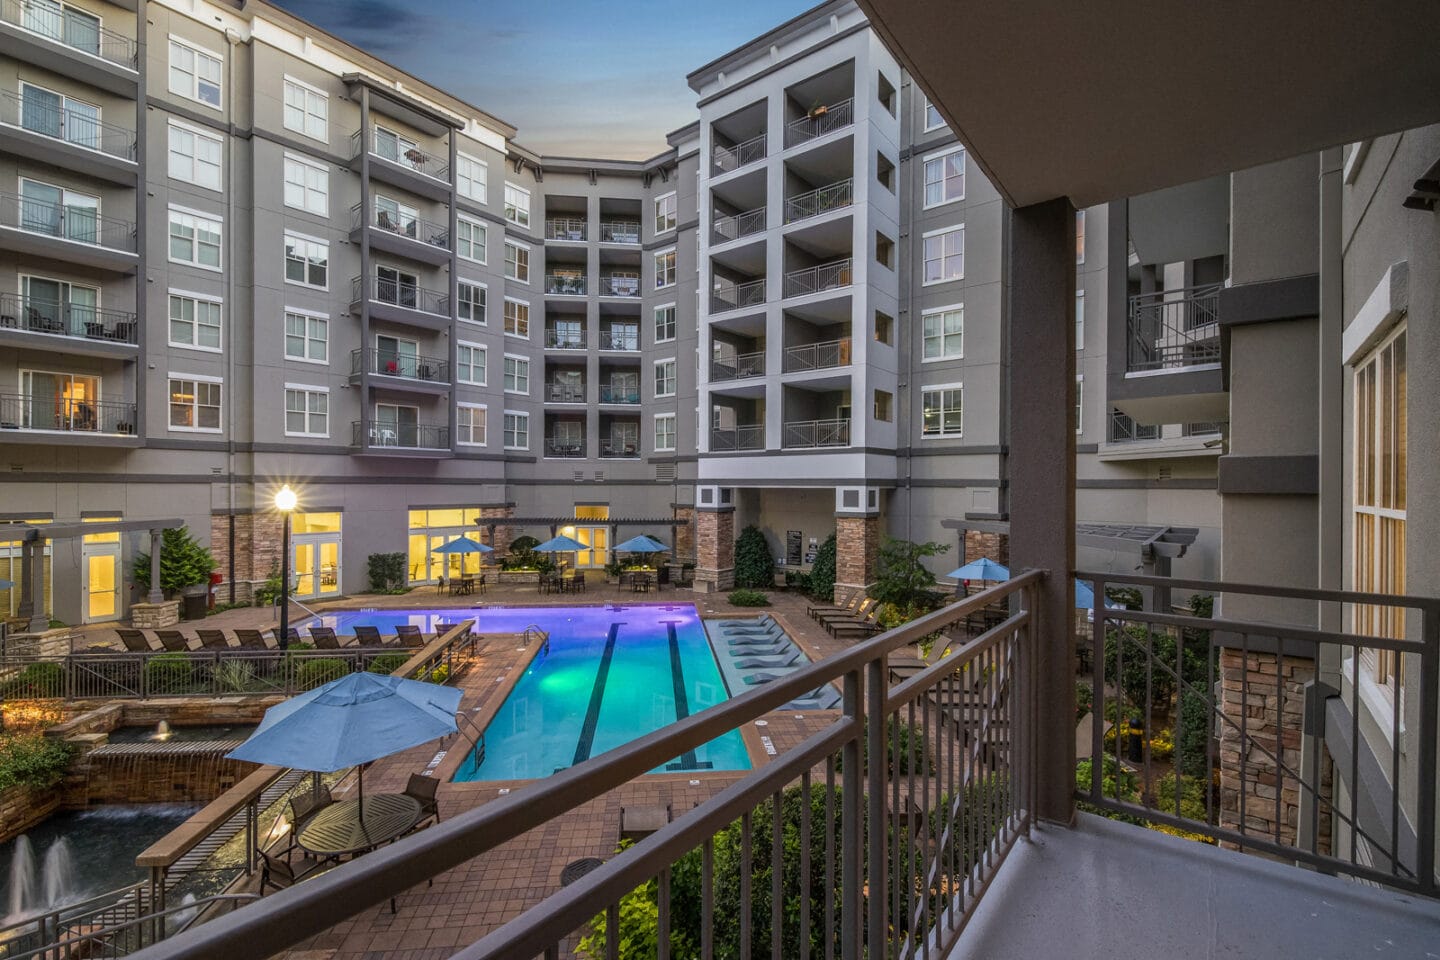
pixel 519 576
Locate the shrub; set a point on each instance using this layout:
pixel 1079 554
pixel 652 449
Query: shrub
pixel 320 671
pixel 38 681
pixel 748 598
pixel 614 568
pixel 754 567
pixel 268 594
pixel 822 571
pixel 387 663
pixel 440 674
pixel 905 750
pixel 235 675
pixel 797 580
pixel 169 672
pixel 183 562
pixel 1192 734
pixel 32 760
pixel 1084 700
pixel 386 572
pixel 901 578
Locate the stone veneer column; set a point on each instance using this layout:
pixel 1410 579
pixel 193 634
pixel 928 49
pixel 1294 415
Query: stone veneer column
pixel 714 549
pixel 684 545
pixel 978 544
pixel 503 535
pixel 857 544
pixel 256 547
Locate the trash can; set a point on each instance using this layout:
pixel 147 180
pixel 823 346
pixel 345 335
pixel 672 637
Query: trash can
pixel 195 601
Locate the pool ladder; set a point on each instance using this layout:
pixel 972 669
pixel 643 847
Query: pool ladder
pixel 477 742
pixel 532 632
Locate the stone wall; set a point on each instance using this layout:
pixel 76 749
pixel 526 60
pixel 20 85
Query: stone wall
pixel 996 546
pixel 23 807
pixel 714 550
pixel 258 539
pixel 857 544
pixel 684 535
pixel 155 616
pixel 197 772
pixel 503 535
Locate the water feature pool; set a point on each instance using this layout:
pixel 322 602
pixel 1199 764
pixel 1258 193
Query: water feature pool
pixel 164 733
pixel 612 673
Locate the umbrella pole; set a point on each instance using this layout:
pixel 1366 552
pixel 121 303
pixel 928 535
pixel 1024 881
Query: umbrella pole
pixel 360 779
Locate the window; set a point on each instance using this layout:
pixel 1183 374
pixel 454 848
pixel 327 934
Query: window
pixel 1381 468
pixel 194 239
pixel 943 333
pixel 517 205
pixel 665 323
pixel 307 185
pixel 665 432
pixel 945 177
pixel 470 237
pixel 517 431
pixel 945 255
pixel 517 318
pixel 884 406
pixel 307 411
pixel 517 261
pixel 941 411
pixel 307 110
pixel 884 250
pixel 470 177
pixel 472 301
pixel 665 269
pixel 1079 320
pixel 194 321
pixel 665 378
pixel 884 328
pixel 194 156
pixel 517 374
pixel 470 363
pixel 666 210
pixel 1079 401
pixel 195 404
pixel 933 120
pixel 307 337
pixel 195 73
pixel 1079 236
pixel 306 260
pixel 470 424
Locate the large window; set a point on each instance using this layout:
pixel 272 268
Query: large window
pixel 472 301
pixel 307 185
pixel 517 430
pixel 195 73
pixel 665 269
pixel 942 411
pixel 470 424
pixel 517 262
pixel 194 239
pixel 307 261
pixel 470 363
pixel 1381 466
pixel 307 110
pixel 195 404
pixel 194 321
pixel 945 177
pixel 194 156
pixel 517 374
pixel 666 210
pixel 665 432
pixel 944 333
pixel 307 411
pixel 945 255
pixel 470 177
pixel 517 318
pixel 665 323
pixel 517 205
pixel 307 337
pixel 470 239
pixel 665 378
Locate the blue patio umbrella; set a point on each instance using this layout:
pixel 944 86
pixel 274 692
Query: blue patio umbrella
pixel 6 584
pixel 1085 597
pixel 981 569
pixel 641 544
pixel 561 544
pixel 463 545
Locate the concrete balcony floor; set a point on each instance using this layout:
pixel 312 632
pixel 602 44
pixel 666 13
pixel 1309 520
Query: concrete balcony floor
pixel 1119 892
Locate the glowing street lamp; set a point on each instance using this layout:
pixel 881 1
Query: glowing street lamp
pixel 285 501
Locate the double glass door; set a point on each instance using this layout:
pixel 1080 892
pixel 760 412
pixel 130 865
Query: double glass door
pixel 396 357
pixel 317 565
pixel 396 426
pixel 51 114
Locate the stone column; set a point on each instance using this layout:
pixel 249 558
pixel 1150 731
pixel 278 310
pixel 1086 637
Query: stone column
pixel 684 540
pixel 714 549
pixel 156 595
pixel 979 544
pixel 857 544
pixel 32 586
pixel 497 535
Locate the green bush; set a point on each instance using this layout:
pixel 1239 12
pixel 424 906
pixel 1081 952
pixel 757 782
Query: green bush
pixel 1084 699
pixel 1192 734
pixel 183 562
pixel 268 593
pixel 748 598
pixel 386 572
pixel 754 567
pixel 235 676
pixel 440 674
pixel 388 663
pixel 38 681
pixel 32 760
pixel 901 577
pixel 317 672
pixel 822 571
pixel 169 672
pixel 1128 597
pixel 905 750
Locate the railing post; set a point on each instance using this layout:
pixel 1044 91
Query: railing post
pixel 852 824
pixel 1429 716
pixel 877 676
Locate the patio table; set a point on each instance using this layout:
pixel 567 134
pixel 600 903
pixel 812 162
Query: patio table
pixel 337 831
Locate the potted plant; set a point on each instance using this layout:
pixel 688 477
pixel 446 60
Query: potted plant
pixel 817 110
pixel 185 566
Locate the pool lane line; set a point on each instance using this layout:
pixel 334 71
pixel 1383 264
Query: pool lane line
pixel 597 694
pixel 687 759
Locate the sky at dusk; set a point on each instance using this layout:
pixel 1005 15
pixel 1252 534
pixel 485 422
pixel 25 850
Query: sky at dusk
pixel 577 77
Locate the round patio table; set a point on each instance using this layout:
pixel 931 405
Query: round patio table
pixel 337 831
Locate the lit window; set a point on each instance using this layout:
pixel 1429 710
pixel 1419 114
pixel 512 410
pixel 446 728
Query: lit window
pixel 470 424
pixel 941 411
pixel 945 255
pixel 884 406
pixel 194 72
pixel 945 177
pixel 307 110
pixel 194 156
pixel 307 411
pixel 307 337
pixel 194 404
pixel 307 185
pixel 943 332
pixel 517 318
pixel 517 205
pixel 194 240
pixel 306 261
pixel 194 322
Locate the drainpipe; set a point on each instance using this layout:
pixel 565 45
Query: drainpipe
pixel 230 291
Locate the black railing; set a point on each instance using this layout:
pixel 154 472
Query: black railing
pixel 565 284
pixel 818 356
pixel 834 196
pixel 616 286
pixel 18 412
pixel 420 161
pixel 565 339
pixel 729 295
pixel 72 126
pixel 619 231
pixel 566 448
pixel 389 363
pixel 77 224
pixel 1123 429
pixel 67 319
pixel 72 28
pixel 727 157
pixel 416 228
pixel 620 338
pixel 565 228
pixel 820 121
pixel 565 392
pixel 737 366
pixel 745 437
pixel 816 433
pixel 403 436
pixel 619 449
pixel 816 279
pixel 619 393
pixel 739 225
pixel 1174 329
pixel 398 293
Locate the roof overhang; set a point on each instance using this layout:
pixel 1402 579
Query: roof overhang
pixel 1097 102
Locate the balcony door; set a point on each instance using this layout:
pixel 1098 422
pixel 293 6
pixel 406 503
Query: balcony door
pixel 46 208
pixel 396 426
pixel 395 148
pixel 55 306
pixel 72 27
pixel 396 286
pixel 394 216
pixel 100 578
pixel 625 438
pixel 570 334
pixel 51 114
pixel 568 437
pixel 59 401
pixel 625 386
pixel 396 357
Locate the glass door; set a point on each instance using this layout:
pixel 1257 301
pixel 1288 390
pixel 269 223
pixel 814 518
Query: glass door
pixel 597 546
pixel 396 426
pixel 625 437
pixel 396 357
pixel 317 566
pixel 394 286
pixel 395 216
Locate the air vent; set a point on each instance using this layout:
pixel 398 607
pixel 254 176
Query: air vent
pixel 579 476
pixel 1164 474
pixel 599 476
pixel 665 472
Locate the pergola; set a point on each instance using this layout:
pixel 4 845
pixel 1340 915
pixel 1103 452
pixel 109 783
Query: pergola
pixel 555 523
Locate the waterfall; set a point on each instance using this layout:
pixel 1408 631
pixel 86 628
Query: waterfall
pixel 58 874
pixel 182 918
pixel 22 879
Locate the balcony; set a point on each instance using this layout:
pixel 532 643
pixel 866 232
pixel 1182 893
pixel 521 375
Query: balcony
pixel 60 415
pixel 1174 329
pixel 817 356
pixel 1124 429
pixel 620 231
pixel 816 433
pixel 818 122
pixel 727 157
pixel 402 302
pixel 620 448
pixel 410 168
pixel 400 439
pixel 727 228
pixel 818 279
pixel 737 366
pixel 72 138
pixel 564 339
pixel 621 393
pixel 563 391
pixel 565 284
pixel 744 437
pixel 729 295
pixel 621 338
pixel 619 286
pixel 71 327
pixel 568 229
pixel 401 371
pixel 834 196
pixel 71 234
pixel 565 448
pixel 412 237
pixel 69 41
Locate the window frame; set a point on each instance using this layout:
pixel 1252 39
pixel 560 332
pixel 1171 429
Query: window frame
pixel 515 207
pixel 197 134
pixel 473 223
pixel 942 388
pixel 1080 321
pixel 673 271
pixel 925 116
pixel 484 363
pixel 941 155
pixel 672 218
pixel 305 114
pixel 305 163
pixel 674 433
pixel 210 299
pixel 520 416
pixel 506 322
pixel 674 378
pixel 195 215
pixel 941 232
pixel 674 323
pixel 517 247
pixel 484 180
pixel 484 411
pixel 196 51
pixel 940 312
pixel 1079 404
pixel 195 379
pixel 506 376
pixel 1079 236
pixel 308 316
pixel 307 390
pixel 485 304
pixel 289 235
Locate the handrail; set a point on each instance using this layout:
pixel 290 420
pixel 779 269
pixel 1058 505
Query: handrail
pixel 109 45
pixel 565 284
pixel 620 336
pixel 561 391
pixel 416 436
pixel 415 228
pixel 76 224
pixel 729 295
pixel 738 366
pixel 817 433
pixel 1174 329
pixel 749 436
pixel 388 363
pixel 816 279
pixel 565 228
pixel 68 318
pixel 416 159
pixel 737 155
pixel 739 225
pixel 557 341
pixel 61 947
pixel 408 296
pixel 1124 429
pixel 832 196
pixel 619 393
pixel 828 119
pixel 67 125
pixel 818 356
pixel 619 231
pixel 109 417
pixel 619 286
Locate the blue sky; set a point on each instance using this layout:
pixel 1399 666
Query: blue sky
pixel 578 77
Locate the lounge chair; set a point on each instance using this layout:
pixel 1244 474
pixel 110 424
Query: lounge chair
pixel 861 610
pixel 857 629
pixel 774 650
pixel 213 640
pixel 324 638
pixel 136 641
pixel 174 641
pixel 767 662
pixel 369 637
pixel 847 604
pixel 254 640
pixel 423 789
pixel 757 639
pixel 409 635
pixel 755 679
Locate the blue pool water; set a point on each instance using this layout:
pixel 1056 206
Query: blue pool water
pixel 611 674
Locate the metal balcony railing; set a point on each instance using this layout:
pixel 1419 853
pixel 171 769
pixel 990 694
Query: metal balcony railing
pixel 565 284
pixel 388 363
pixel 67 319
pixel 816 279
pixel 565 339
pixel 565 228
pixel 619 286
pixel 416 228
pixel 72 126
pixel 737 366
pixel 564 392
pixel 20 412
pixel 620 338
pixel 1202 428
pixel 421 161
pixel 619 393
pixel 1174 329
pixel 818 356
pixel 619 231
pixel 749 436
pixel 401 294
pixel 1123 429
pixel 411 436
pixel 733 157
pixel 729 295
pixel 568 448
pixel 72 28
pixel 74 223
pixel 619 448
pixel 820 121
pixel 816 433
pixel 832 196
pixel 739 225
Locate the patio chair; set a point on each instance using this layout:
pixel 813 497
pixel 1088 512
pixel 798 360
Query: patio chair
pixel 324 638
pixel 423 789
pixel 409 635
pixel 304 807
pixel 254 640
pixel 136 641
pixel 858 629
pixel 174 641
pixel 369 637
pixel 754 663
pixel 213 640
pixel 866 611
pixel 283 874
pixel 859 606
pixel 577 581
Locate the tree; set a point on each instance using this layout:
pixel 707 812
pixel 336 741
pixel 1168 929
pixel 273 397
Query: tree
pixel 183 562
pixel 901 577
pixel 822 571
pixel 754 567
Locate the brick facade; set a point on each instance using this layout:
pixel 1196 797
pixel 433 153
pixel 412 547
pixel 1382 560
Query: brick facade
pixel 503 535
pixel 258 539
pixel 996 546
pixel 857 544
pixel 714 550
pixel 684 534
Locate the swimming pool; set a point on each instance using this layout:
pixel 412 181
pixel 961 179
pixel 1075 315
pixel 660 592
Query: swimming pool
pixel 611 674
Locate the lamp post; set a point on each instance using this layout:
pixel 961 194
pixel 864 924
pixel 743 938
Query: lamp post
pixel 285 503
